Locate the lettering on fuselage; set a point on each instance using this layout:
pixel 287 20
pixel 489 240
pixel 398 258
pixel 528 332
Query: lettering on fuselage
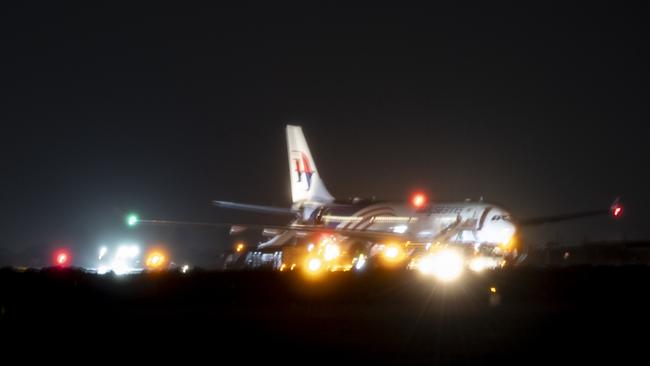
pixel 500 218
pixel 445 210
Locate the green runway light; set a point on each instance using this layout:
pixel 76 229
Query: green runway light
pixel 132 220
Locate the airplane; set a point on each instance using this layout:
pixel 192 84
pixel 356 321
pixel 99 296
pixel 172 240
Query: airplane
pixel 325 233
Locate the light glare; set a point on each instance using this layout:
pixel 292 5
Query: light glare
pixel 102 252
pixel 314 264
pixel 331 252
pixel 446 265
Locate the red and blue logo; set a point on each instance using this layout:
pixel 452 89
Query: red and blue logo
pixel 303 167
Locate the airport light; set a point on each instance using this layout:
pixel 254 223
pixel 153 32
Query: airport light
pixel 102 252
pixel 156 260
pixel 132 220
pixel 62 258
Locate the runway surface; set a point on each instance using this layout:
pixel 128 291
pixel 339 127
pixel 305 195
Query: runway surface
pixel 520 314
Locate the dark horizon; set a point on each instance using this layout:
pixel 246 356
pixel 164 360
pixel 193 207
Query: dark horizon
pixel 160 110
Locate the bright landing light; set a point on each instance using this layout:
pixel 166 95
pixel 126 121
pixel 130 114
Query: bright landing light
pixel 479 264
pixel 361 261
pixel 331 252
pixel 314 264
pixel 446 265
pixel 393 253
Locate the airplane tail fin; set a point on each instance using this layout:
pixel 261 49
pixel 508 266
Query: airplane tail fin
pixel 306 183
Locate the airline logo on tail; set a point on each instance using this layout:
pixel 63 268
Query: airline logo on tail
pixel 306 182
pixel 302 166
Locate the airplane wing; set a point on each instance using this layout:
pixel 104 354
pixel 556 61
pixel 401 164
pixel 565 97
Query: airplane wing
pixel 616 209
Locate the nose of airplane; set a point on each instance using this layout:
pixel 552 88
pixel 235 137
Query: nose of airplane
pixel 507 231
pixel 498 229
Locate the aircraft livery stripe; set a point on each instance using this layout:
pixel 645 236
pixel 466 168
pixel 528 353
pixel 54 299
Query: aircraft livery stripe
pixel 385 210
pixel 483 217
pixel 364 212
pixel 371 221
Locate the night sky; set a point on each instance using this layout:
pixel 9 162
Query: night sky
pixel 160 109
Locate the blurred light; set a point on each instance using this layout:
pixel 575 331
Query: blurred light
pixel 493 290
pixel 102 252
pixel 331 252
pixel 132 220
pixel 282 267
pixel 127 251
pixel 418 200
pixel 240 247
pixel 507 237
pixel 62 258
pixel 120 268
pixel 314 264
pixel 446 265
pixel 185 268
pixel 155 260
pixel 133 251
pixel 393 252
pixel 310 247
pixel 617 210
pixel 479 264
pixel 449 265
pixel 425 265
pixel 510 243
pixel 103 270
pixel 400 229
pixel 361 261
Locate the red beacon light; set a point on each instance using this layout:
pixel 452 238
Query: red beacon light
pixel 62 258
pixel 617 210
pixel 419 200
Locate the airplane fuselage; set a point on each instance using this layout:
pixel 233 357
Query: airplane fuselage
pixel 480 223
